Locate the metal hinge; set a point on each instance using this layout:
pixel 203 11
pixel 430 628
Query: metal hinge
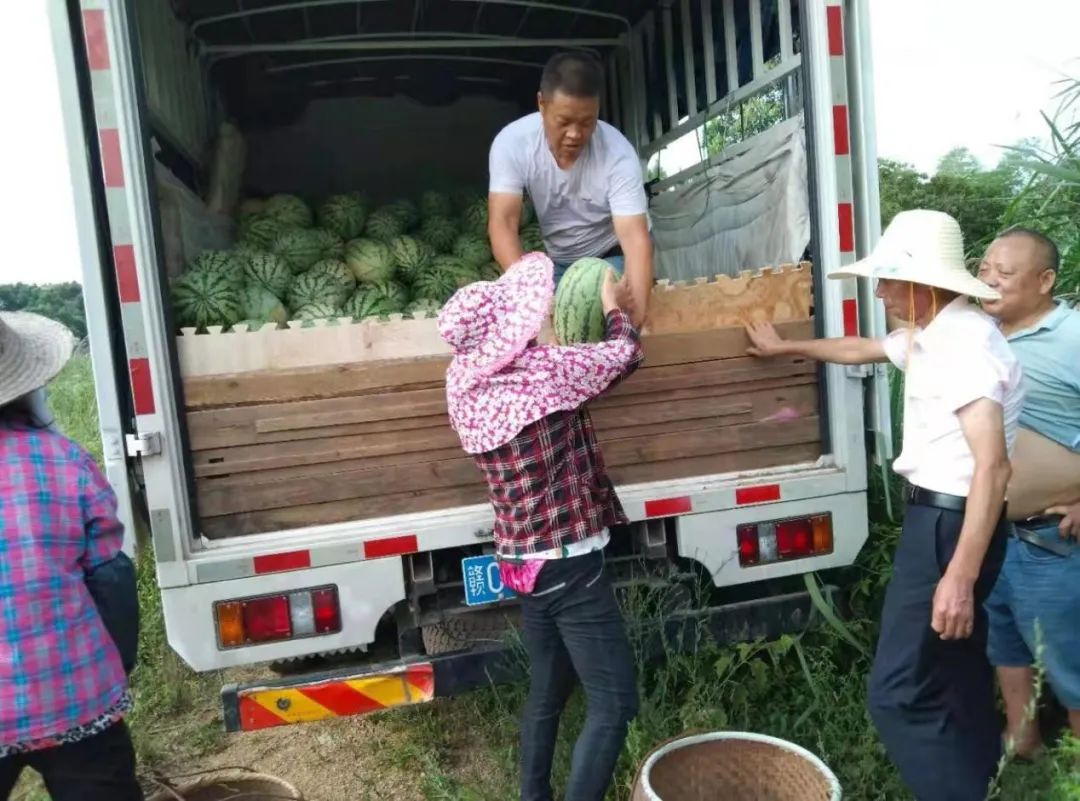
pixel 859 370
pixel 148 444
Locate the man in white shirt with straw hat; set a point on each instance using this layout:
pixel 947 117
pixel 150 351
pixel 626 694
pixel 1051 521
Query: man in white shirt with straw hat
pixel 932 687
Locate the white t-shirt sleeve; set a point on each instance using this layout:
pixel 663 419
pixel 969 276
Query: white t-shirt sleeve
pixel 896 347
pixel 505 170
pixel 626 192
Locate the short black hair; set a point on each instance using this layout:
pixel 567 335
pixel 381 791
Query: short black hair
pixel 574 73
pixel 1049 255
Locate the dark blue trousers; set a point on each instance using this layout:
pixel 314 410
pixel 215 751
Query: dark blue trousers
pixel 572 628
pixel 933 700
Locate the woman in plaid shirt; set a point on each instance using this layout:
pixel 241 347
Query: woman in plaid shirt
pixel 63 689
pixel 519 409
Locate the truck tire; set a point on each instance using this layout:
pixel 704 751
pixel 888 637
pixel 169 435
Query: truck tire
pixel 470 630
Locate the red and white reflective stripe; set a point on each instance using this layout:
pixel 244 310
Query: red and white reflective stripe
pixel 845 188
pixel 95 21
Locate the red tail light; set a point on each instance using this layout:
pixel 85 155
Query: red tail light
pixel 272 618
pixel 782 540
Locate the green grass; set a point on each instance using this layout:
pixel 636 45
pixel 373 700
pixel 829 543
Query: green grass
pixel 809 689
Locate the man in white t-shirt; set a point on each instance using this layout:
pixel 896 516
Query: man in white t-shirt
pixel 932 687
pixel 582 176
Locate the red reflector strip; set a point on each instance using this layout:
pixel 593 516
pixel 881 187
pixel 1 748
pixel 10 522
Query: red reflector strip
pixel 834 14
pixel 255 716
pixel 763 494
pixel 111 162
pixel 851 317
pixel 127 282
pixel 846 213
pixel 390 546
pixel 278 562
pixel 142 387
pixel 97 43
pixel 840 130
pixel 667 507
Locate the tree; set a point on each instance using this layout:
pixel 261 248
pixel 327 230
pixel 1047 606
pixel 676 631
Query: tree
pixel 751 117
pixel 60 302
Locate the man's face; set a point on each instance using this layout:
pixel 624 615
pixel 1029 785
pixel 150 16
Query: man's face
pixel 897 296
pixel 1012 265
pixel 569 122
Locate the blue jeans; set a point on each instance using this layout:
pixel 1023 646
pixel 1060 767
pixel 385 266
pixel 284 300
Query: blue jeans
pixel 571 625
pixel 561 267
pixel 933 700
pixel 1037 585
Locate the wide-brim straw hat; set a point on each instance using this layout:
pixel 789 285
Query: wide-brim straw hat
pixel 33 349
pixel 922 247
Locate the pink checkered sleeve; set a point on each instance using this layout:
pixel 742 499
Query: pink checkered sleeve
pixel 104 531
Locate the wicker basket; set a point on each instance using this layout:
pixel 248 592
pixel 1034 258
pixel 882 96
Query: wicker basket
pixel 733 766
pixel 233 785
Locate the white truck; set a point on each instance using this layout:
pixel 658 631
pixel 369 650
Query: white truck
pixel 266 549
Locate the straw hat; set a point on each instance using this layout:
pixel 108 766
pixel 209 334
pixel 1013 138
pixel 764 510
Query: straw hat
pixel 33 349
pixel 923 247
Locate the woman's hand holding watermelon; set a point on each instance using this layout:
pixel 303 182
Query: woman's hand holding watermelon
pixel 614 293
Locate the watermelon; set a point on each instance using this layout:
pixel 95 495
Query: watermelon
pixel 269 271
pixel 317 310
pixel 301 247
pixel 377 300
pixel 384 224
pixel 259 231
pixel 259 304
pixel 289 211
pixel 579 313
pixel 472 249
pixel 337 271
pixel 467 196
pixel 528 213
pixel 411 256
pixel 435 204
pixel 474 219
pixel 436 285
pixel 439 232
pixel 250 206
pixel 531 238
pixel 245 253
pixel 309 288
pixel 461 271
pixel 371 261
pixel 422 308
pixel 345 215
pixel 491 271
pixel 331 246
pixel 206 297
pixel 220 261
pixel 406 211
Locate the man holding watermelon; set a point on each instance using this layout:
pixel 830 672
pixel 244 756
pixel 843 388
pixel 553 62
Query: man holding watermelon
pixel 583 178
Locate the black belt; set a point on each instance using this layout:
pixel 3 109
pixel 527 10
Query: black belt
pixel 1028 531
pixel 615 251
pixel 918 496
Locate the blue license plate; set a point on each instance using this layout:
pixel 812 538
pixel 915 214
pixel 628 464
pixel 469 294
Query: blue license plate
pixel 483 584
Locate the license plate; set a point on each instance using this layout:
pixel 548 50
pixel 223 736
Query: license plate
pixel 483 583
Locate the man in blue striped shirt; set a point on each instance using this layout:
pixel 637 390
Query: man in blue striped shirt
pixel 1039 584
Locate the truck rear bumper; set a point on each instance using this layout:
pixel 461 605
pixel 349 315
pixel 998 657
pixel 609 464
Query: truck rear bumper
pixel 407 682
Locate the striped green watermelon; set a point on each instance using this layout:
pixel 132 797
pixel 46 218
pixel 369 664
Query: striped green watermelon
pixel 491 271
pixel 439 232
pixel 220 261
pixel 384 224
pixel 258 230
pixel 337 271
pixel 435 204
pixel 289 211
pixel 308 288
pixel 460 270
pixel 377 300
pixel 318 310
pixel 465 197
pixel 260 304
pixel 206 297
pixel 345 215
pixel 531 238
pixel 244 253
pixel 269 271
pixel 472 249
pixel 300 248
pixel 370 260
pixel 331 246
pixel 474 220
pixel 579 313
pixel 436 285
pixel 411 255
pixel 422 308
pixel 406 211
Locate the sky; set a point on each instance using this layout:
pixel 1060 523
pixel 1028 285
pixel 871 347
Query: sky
pixel 947 73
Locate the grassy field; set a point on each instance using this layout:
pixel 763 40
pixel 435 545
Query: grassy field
pixel 809 689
